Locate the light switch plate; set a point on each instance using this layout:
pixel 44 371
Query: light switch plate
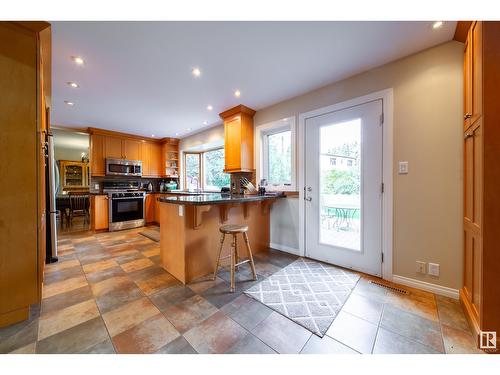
pixel 434 269
pixel 421 267
pixel 403 167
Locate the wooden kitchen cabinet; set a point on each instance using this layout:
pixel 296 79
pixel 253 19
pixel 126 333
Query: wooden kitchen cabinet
pixel 157 208
pixel 479 294
pixel 97 155
pixel 113 148
pixel 131 149
pixel 106 144
pixel 151 159
pixel 119 148
pixel 150 207
pixel 155 160
pixel 99 212
pixel 238 135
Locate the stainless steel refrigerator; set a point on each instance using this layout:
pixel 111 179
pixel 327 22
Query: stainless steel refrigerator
pixel 52 175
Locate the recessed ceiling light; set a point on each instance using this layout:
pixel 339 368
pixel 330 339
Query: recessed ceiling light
pixel 73 84
pixel 209 107
pixel 67 102
pixel 437 24
pixel 188 129
pixel 176 134
pixel 152 135
pixel 237 93
pixel 78 60
pixel 196 72
pixel 205 122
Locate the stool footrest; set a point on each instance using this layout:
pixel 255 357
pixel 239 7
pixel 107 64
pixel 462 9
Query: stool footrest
pixel 242 262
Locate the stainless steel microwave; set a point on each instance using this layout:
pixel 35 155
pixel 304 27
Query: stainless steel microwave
pixel 121 167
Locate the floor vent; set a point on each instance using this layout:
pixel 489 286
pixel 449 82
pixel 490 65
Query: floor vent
pixel 393 288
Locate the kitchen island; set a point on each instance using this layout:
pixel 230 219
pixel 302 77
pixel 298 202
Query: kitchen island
pixel 189 230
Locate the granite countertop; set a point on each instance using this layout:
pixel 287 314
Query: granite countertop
pixel 215 198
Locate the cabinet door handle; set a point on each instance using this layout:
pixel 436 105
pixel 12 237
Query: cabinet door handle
pixel 467 116
pixel 469 135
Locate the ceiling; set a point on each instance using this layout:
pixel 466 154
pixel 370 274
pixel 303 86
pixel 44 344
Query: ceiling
pixel 137 77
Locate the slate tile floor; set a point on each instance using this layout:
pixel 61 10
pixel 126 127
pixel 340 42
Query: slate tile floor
pixel 108 294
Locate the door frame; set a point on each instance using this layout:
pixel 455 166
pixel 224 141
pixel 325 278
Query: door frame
pixel 387 169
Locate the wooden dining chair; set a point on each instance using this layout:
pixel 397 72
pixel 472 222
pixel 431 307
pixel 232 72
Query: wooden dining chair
pixel 79 206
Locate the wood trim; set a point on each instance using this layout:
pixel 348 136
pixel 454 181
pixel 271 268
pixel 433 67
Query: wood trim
pixel 461 31
pixel 35 26
pixel 237 110
pixel 113 133
pixel 292 194
pixel 469 312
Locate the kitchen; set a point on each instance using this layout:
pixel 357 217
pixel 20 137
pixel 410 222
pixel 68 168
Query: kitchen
pixel 207 211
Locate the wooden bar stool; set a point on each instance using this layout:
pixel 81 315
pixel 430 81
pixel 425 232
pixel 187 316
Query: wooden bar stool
pixel 233 230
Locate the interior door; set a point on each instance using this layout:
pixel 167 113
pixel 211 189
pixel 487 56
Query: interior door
pixel 344 187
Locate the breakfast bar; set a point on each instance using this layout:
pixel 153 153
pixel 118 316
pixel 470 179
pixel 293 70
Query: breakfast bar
pixel 189 229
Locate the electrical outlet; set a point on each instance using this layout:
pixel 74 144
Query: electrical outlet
pixel 403 167
pixel 421 267
pixel 433 269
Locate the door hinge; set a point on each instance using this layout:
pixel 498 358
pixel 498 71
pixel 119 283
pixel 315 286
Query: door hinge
pixel 382 187
pixel 382 256
pixel 382 118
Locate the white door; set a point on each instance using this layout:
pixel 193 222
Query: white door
pixel 343 187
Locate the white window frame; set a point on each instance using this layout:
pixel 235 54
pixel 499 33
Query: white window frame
pixel 261 150
pixel 201 170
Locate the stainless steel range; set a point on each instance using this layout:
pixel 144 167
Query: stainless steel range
pixel 127 205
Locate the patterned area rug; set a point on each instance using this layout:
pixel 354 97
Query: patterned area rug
pixel 308 292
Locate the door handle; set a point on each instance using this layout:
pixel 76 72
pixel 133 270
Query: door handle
pixel 467 116
pixel 308 199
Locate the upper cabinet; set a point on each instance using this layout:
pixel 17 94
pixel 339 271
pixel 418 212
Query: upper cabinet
pixel 151 159
pixel 97 154
pixel 119 148
pixel 238 139
pixel 110 145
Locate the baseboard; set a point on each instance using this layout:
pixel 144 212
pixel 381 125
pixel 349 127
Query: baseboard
pixel 286 249
pixel 428 287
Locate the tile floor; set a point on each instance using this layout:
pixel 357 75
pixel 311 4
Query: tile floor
pixel 108 294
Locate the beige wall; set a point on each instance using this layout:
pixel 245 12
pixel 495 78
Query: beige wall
pixel 213 135
pixel 427 133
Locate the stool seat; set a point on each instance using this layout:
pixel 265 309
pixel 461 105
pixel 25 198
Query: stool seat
pixel 233 228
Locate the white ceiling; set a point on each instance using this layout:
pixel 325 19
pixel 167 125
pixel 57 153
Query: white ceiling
pixel 137 75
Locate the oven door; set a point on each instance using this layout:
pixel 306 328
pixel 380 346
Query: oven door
pixel 126 209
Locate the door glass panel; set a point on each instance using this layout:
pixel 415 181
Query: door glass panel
pixel 340 185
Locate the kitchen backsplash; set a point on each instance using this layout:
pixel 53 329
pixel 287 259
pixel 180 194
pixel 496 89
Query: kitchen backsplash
pixel 96 183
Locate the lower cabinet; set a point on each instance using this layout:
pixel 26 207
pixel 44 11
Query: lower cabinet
pixel 99 212
pixel 150 207
pixel 157 208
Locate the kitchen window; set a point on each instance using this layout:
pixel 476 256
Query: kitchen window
pixel 276 154
pixel 205 170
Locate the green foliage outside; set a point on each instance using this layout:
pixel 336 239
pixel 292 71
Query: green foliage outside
pixel 280 158
pixel 215 178
pixel 343 181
